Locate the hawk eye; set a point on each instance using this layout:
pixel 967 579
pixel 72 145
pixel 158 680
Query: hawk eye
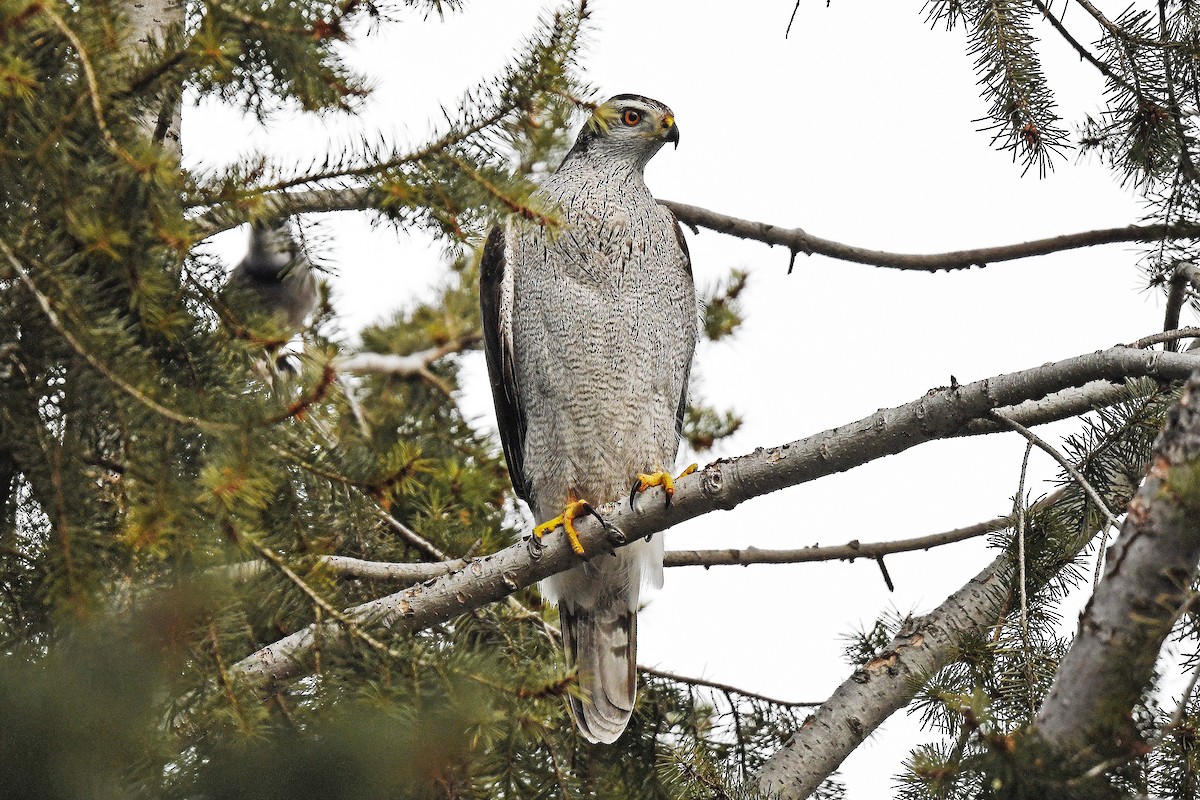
pixel 631 117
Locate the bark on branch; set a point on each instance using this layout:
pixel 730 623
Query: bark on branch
pixel 723 484
pixel 1147 583
pixel 798 241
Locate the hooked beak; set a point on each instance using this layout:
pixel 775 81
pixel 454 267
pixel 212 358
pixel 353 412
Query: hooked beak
pixel 673 135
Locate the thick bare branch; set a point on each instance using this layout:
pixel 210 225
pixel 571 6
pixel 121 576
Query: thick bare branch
pixel 723 484
pixel 797 241
pixel 1146 585
pixel 405 572
pixel 1054 407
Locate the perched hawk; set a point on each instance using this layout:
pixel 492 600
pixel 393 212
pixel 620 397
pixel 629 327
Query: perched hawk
pixel 589 331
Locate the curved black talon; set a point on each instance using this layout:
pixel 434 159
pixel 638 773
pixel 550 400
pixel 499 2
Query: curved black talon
pixel 633 493
pixel 588 508
pixel 534 547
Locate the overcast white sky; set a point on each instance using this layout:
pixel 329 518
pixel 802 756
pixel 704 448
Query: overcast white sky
pixel 859 127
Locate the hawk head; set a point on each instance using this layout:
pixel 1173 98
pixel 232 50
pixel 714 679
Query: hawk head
pixel 627 126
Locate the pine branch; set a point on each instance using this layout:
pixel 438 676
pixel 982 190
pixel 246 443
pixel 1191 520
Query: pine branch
pixel 1083 52
pixel 724 484
pixel 883 685
pixel 137 394
pixel 919 650
pixel 1146 586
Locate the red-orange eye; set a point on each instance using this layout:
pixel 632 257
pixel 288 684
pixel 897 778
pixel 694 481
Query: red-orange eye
pixel 631 117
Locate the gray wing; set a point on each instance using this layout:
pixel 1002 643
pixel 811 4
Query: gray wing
pixel 495 306
pixel 681 411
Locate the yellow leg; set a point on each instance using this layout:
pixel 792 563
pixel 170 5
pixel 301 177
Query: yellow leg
pixel 574 509
pixel 646 480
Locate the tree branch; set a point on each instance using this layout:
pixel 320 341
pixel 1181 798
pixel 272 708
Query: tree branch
pixel 723 687
pixel 1146 585
pixel 408 366
pixel 1075 474
pixel 1083 52
pixel 723 484
pixel 883 686
pixel 889 681
pixel 1186 274
pixel 409 572
pixel 797 241
pixel 413 365
pixel 844 552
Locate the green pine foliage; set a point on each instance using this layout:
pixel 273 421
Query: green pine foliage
pixel 168 496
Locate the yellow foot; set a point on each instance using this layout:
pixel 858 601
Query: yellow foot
pixel 645 481
pixel 574 509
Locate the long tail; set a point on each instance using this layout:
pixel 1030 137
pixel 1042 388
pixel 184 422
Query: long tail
pixel 602 644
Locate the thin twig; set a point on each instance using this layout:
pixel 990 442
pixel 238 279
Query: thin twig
pixel 413 538
pixel 1019 509
pixel 845 552
pixel 352 627
pixel 1075 474
pixel 1120 33
pixel 1083 52
pixel 724 687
